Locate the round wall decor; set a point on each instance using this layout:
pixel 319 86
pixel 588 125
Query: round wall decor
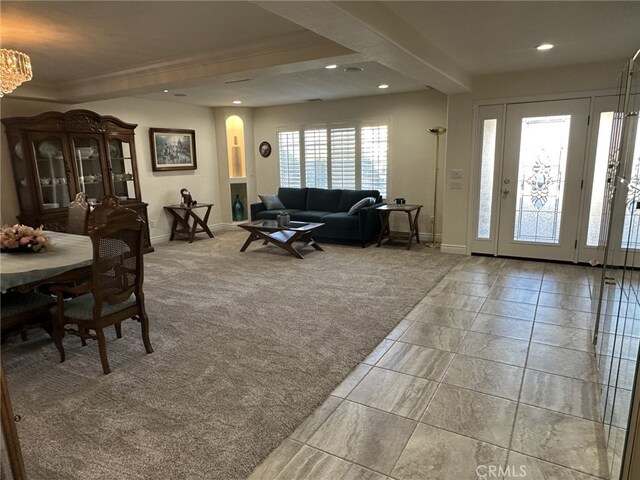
pixel 265 149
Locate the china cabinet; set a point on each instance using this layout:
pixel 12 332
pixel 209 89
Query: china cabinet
pixel 56 155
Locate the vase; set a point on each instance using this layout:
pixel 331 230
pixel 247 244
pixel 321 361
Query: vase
pixel 238 210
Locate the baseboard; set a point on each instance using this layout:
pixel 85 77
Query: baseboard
pixel 457 249
pixel 426 237
pixel 216 227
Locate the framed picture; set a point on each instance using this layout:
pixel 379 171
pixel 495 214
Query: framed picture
pixel 172 149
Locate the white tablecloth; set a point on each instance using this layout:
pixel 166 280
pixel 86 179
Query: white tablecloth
pixel 67 252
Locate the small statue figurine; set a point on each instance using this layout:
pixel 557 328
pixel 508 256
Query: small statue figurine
pixel 187 199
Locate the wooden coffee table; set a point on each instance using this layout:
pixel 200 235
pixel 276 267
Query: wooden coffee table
pixel 283 237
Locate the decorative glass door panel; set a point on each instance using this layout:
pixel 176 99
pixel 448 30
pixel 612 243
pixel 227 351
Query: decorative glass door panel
pixel 122 169
pixel 21 173
pixel 51 174
pixel 541 179
pixel 86 153
pixel 488 158
pixel 631 211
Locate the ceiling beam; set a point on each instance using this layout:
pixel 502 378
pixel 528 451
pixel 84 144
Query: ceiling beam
pixel 282 53
pixel 374 30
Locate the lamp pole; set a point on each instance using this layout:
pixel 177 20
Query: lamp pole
pixel 437 131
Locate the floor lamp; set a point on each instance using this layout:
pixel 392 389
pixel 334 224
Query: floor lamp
pixel 437 131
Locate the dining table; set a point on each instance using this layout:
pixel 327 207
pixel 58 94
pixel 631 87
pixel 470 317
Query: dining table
pixel 67 257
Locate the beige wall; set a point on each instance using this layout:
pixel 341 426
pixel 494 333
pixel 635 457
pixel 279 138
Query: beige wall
pixel 158 188
pixel 522 86
pixel 411 148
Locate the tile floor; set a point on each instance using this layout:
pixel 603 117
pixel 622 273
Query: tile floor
pixel 493 368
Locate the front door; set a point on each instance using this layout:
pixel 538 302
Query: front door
pixel 541 181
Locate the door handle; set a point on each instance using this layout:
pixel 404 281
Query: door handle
pixel 505 191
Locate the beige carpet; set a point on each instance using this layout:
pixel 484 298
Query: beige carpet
pixel 246 346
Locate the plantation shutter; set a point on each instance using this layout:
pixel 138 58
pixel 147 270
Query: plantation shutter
pixel 289 146
pixel 343 158
pixel 374 147
pixel 315 158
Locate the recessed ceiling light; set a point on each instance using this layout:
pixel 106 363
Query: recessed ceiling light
pixel 383 86
pixel 545 46
pixel 237 102
pixel 166 91
pixel 331 67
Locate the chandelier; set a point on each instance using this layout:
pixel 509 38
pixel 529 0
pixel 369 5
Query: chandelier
pixel 15 68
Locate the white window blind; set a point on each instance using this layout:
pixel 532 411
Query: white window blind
pixel 374 147
pixel 315 158
pixel 289 147
pixel 343 158
pixel 350 157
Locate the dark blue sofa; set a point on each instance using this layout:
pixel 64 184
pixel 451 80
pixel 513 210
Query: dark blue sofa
pixel 330 207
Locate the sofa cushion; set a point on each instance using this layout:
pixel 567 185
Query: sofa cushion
pixel 313 216
pixel 350 197
pixel 273 214
pixel 293 197
pixel 323 200
pixel 341 220
pixel 365 202
pixel 272 202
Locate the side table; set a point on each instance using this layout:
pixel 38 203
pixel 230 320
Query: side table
pixel 385 230
pixel 181 215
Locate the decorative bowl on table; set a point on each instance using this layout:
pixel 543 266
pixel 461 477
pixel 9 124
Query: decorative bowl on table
pixel 22 238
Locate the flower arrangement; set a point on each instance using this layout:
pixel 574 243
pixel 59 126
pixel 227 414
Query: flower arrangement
pixel 23 238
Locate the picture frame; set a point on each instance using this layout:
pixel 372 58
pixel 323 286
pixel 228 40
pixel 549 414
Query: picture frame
pixel 172 149
pixel 265 149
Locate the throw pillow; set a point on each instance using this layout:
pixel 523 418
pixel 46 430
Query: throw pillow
pixel 365 202
pixel 272 202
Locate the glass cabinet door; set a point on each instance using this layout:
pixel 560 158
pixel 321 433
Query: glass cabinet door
pixel 86 154
pixel 123 169
pixel 21 173
pixel 51 174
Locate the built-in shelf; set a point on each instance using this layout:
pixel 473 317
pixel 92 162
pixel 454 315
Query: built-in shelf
pixel 238 180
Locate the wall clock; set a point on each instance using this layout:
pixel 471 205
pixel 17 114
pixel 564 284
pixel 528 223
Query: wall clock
pixel 265 149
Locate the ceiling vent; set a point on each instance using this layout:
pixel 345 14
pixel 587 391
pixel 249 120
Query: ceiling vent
pixel 354 69
pixel 237 81
pixel 314 100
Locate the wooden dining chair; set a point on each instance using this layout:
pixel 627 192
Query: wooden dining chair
pixel 114 292
pixel 78 215
pixel 20 312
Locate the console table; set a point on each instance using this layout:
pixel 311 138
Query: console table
pixel 181 216
pixel 385 230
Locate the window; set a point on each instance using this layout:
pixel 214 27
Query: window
pixel 373 144
pixel 315 156
pixel 289 143
pixel 489 135
pixel 341 156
